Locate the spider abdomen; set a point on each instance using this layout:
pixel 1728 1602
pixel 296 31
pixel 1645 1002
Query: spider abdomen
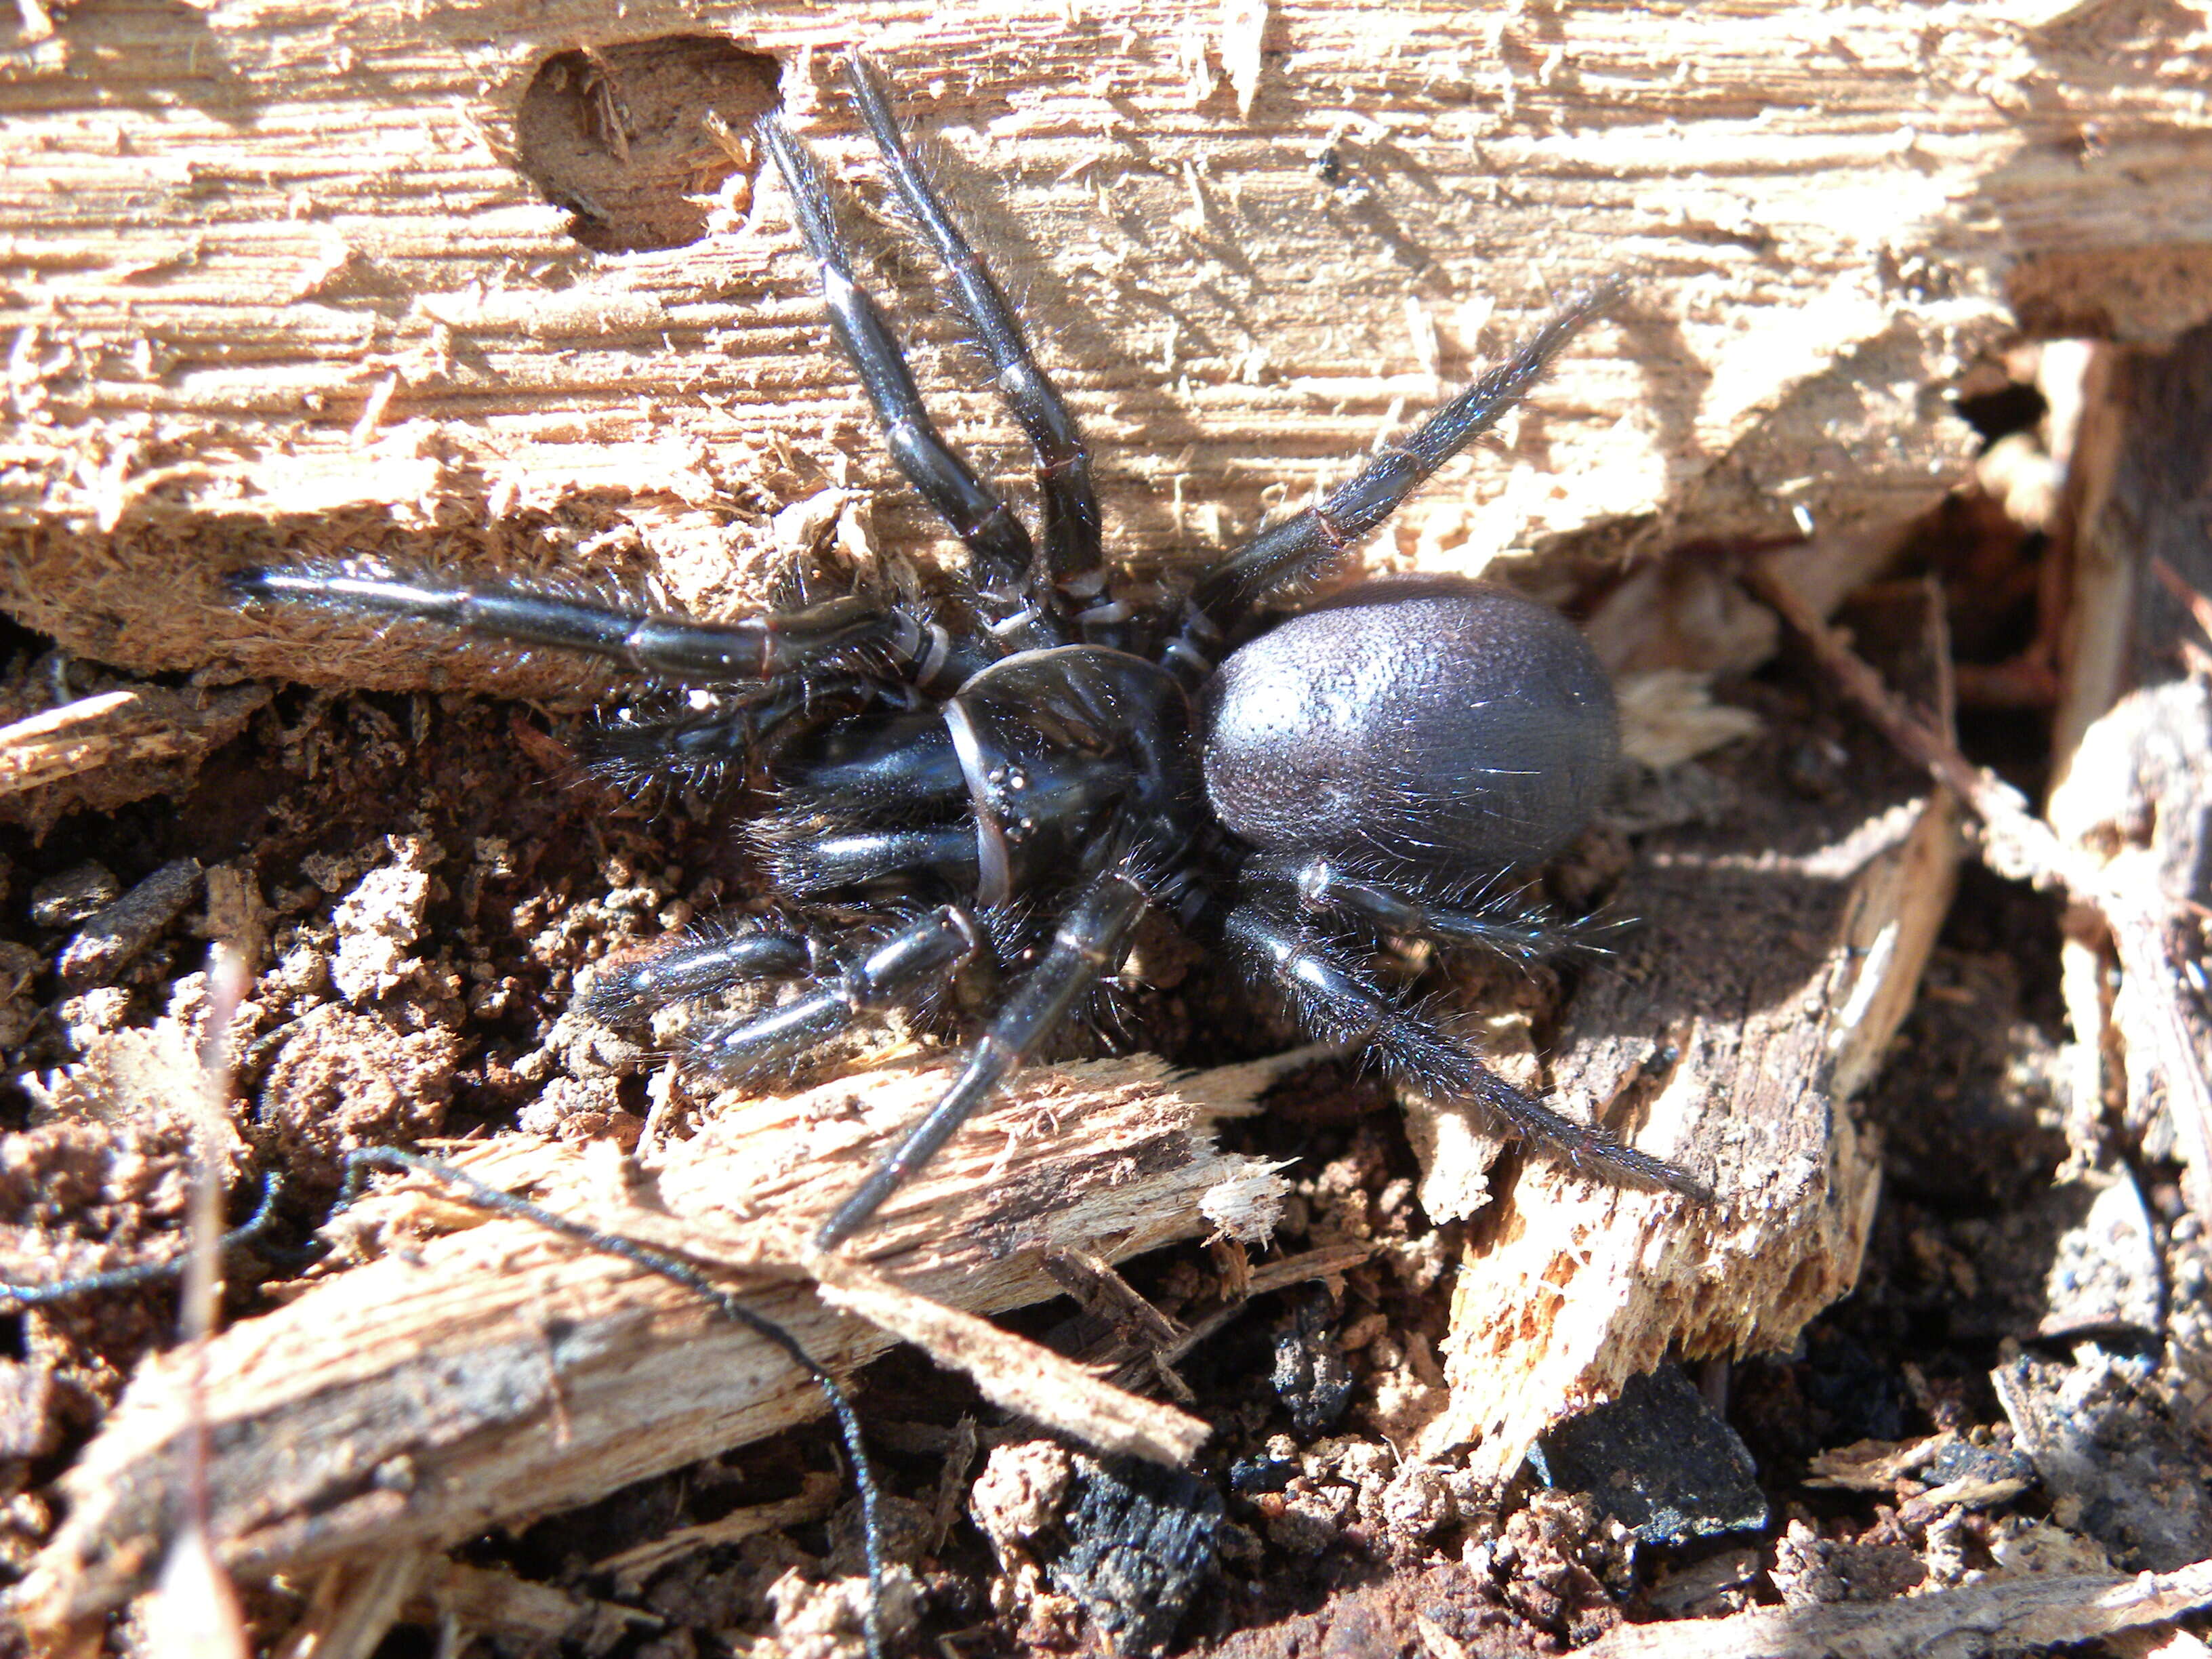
pixel 1431 719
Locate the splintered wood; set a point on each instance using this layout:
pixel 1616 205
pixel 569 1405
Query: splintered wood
pixel 104 750
pixel 482 1370
pixel 307 276
pixel 116 729
pixel 2132 789
pixel 1732 1025
pixel 1777 943
pixel 2030 1614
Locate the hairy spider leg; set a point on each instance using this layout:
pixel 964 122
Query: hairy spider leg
pixel 698 965
pixel 1497 923
pixel 1073 541
pixel 672 647
pixel 1301 545
pixel 1334 1002
pixel 903 764
pixel 904 969
pixel 1296 548
pixel 807 865
pixel 1088 944
pixel 704 745
pixel 999 548
pixel 493 1200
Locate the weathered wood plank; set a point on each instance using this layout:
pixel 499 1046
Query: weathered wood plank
pixel 285 276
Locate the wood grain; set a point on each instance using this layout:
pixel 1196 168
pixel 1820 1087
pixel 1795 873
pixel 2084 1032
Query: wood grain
pixel 479 1370
pixel 287 278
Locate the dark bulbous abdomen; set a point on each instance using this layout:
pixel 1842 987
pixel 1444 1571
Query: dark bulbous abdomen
pixel 1428 720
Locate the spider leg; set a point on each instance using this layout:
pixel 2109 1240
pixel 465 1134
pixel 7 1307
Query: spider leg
pixel 1335 1002
pixel 1301 545
pixel 703 961
pixel 1073 543
pixel 903 968
pixel 675 647
pixel 905 763
pixel 1498 922
pixel 1089 943
pixel 728 736
pixel 997 543
pixel 14 1298
pixel 814 865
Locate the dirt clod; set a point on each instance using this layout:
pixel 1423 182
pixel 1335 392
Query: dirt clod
pixel 343 1080
pixel 115 935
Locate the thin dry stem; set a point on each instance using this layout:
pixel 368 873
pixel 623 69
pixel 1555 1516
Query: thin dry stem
pixel 2020 845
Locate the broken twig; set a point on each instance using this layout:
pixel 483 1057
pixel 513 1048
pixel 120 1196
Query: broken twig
pixel 2020 845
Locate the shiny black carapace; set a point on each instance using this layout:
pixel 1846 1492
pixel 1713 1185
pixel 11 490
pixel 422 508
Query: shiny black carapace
pixel 1012 777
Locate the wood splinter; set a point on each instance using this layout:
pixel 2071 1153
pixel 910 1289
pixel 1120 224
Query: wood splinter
pixel 2019 845
pixel 484 1371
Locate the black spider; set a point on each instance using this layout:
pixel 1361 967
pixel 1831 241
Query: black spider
pixel 1017 779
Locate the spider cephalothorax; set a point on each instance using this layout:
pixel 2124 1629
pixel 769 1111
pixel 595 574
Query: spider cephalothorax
pixel 1023 775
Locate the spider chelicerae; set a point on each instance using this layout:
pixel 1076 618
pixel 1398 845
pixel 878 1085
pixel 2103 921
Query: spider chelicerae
pixel 1014 777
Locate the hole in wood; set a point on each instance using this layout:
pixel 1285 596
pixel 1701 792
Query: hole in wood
pixel 619 135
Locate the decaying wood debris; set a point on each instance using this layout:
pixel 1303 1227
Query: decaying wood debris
pixel 497 294
pixel 1567 1289
pixel 478 1375
pixel 506 289
pixel 2011 1616
pixel 102 751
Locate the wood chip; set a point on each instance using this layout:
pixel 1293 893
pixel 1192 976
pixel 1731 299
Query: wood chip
pixel 490 1602
pixel 1873 1465
pixel 1015 1373
pixel 1996 1616
pixel 116 729
pixel 818 1496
